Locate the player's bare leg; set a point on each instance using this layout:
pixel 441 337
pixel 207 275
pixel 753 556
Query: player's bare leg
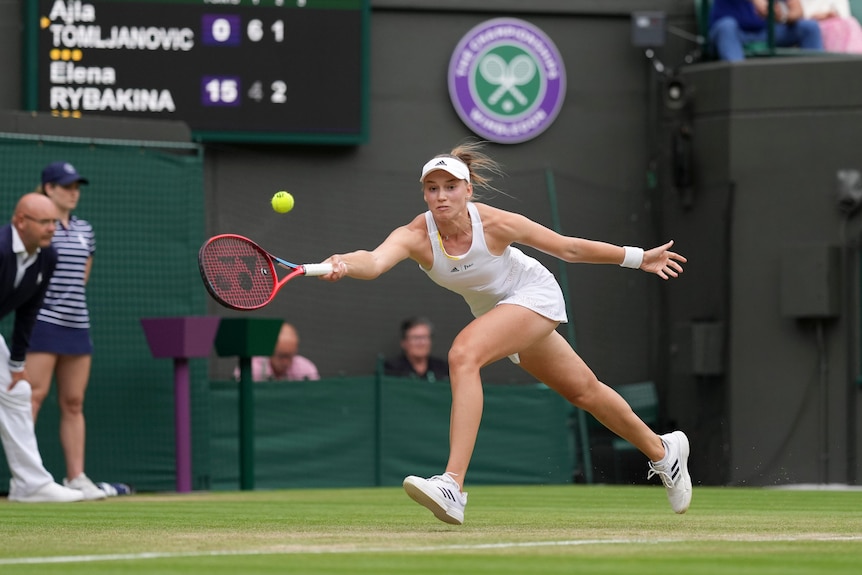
pixel 495 335
pixel 554 363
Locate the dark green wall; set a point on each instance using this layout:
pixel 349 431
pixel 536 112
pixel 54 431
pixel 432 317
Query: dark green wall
pixel 775 397
pixel 351 432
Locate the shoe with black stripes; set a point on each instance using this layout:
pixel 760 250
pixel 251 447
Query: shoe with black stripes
pixel 441 494
pixel 673 471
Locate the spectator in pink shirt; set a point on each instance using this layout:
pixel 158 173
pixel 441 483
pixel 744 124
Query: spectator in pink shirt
pixel 285 364
pixel 841 31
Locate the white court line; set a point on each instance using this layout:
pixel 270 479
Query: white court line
pixel 418 549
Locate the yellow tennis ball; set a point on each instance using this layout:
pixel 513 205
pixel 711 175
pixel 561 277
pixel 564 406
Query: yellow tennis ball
pixel 282 202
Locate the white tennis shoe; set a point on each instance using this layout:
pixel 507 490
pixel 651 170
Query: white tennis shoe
pixel 48 493
pixel 83 484
pixel 674 471
pixel 440 494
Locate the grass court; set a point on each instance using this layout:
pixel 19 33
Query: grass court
pixel 519 530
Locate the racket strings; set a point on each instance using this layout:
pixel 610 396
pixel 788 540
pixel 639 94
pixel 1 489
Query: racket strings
pixel 236 273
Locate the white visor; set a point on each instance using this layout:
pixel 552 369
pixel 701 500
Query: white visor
pixel 452 165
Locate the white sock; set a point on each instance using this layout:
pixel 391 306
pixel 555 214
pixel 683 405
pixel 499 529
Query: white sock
pixel 663 460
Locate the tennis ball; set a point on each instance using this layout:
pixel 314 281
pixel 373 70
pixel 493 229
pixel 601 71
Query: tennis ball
pixel 282 202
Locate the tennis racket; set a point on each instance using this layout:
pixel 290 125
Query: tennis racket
pixel 241 275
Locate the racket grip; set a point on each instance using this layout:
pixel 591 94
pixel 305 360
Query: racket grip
pixel 317 269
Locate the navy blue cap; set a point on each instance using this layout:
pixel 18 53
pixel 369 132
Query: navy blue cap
pixel 62 173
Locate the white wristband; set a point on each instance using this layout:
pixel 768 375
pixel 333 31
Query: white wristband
pixel 634 257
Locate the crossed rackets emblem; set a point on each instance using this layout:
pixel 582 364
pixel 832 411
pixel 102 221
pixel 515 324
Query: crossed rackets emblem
pixel 507 76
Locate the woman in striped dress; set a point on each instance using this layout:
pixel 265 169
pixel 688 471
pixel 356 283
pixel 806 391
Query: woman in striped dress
pixel 60 345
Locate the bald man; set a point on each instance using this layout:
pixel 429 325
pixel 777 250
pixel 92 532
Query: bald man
pixel 27 262
pixel 285 363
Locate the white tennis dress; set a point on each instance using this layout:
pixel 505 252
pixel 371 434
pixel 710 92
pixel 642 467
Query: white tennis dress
pixel 486 281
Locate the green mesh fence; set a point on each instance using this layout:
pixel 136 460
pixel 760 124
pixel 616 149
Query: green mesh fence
pixel 145 202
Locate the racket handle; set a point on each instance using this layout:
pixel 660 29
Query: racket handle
pixel 317 269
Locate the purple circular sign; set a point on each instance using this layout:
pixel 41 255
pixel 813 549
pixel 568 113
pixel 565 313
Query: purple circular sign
pixel 507 81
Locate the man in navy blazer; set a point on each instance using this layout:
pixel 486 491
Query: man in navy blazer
pixel 27 261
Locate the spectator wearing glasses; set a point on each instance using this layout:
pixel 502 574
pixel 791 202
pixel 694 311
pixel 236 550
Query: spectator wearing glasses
pixel 285 363
pixel 416 360
pixel 27 261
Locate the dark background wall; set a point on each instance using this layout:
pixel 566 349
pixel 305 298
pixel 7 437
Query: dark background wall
pixel 769 336
pixel 734 371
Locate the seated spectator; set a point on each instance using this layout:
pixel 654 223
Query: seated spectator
pixel 840 31
pixel 733 23
pixel 285 364
pixel 416 360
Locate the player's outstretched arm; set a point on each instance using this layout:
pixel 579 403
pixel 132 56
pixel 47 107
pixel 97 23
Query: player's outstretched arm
pixel 368 265
pixel 358 264
pixel 663 262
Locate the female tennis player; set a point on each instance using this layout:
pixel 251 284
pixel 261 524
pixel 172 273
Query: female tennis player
pixel 517 304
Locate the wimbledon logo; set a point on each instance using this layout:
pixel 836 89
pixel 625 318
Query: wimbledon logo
pixel 506 80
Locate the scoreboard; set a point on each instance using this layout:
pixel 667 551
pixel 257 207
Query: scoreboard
pixel 292 71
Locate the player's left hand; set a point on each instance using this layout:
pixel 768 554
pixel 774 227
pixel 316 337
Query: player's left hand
pixel 663 262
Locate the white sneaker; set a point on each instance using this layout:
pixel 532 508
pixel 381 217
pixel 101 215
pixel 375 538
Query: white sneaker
pixel 441 494
pixel 83 484
pixel 48 493
pixel 674 471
